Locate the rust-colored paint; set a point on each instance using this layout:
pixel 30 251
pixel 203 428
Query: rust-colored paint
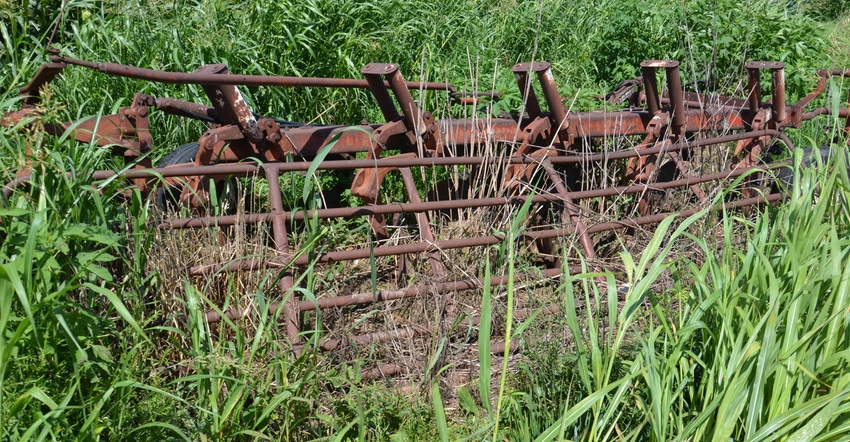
pixel 540 142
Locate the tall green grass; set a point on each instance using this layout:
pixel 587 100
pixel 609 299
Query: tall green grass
pixel 64 296
pixel 591 45
pixel 751 343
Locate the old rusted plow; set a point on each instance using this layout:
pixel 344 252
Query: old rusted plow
pixel 557 159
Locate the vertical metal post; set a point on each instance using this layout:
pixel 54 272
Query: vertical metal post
pixel 778 74
pixel 532 106
pixel 650 85
pixel 674 88
pixel 422 221
pixel 373 72
pixel 753 87
pixel 777 71
pixel 281 242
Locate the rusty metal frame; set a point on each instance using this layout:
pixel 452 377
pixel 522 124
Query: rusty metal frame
pixel 540 142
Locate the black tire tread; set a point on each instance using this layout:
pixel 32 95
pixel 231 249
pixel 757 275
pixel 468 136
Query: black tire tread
pixel 183 154
pixel 166 197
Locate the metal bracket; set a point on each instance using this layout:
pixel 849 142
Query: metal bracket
pixel 419 124
pixel 557 113
pixel 674 89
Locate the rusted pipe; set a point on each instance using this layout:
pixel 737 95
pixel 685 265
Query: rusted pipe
pixel 434 258
pixel 381 371
pixel 391 295
pixel 571 209
pixel 381 92
pixel 405 332
pixel 650 219
pixel 243 169
pixel 281 240
pixel 386 209
pixel 753 87
pixel 529 98
pixel 778 76
pixel 234 79
pixel 823 75
pixel 557 112
pixel 650 85
pixel 842 113
pixel 674 89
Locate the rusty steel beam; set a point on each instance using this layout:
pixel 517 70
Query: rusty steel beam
pixel 120 70
pixel 540 144
pixel 250 169
pixel 429 206
pixel 381 371
pixel 46 73
pixel 390 295
pixel 478 241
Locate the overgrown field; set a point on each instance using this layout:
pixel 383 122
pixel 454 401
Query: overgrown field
pixel 721 326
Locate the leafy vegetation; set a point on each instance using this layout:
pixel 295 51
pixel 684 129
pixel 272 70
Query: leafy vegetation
pixel 745 351
pixel 749 342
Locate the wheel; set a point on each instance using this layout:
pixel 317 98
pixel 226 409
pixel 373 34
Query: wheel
pixel 785 175
pixel 168 197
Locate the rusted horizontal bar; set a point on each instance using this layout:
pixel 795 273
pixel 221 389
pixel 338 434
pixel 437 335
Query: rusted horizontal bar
pixel 249 169
pixel 376 337
pixel 246 169
pixel 391 295
pixel 498 347
pixel 187 109
pixel 348 255
pixel 414 291
pixel 842 113
pixel 418 247
pixel 154 75
pixel 381 371
pixel 411 331
pixel 649 219
pixel 385 209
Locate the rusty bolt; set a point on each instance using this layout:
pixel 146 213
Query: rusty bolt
pixel 274 138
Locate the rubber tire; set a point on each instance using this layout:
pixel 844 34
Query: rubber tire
pixel 168 197
pixel 183 154
pixel 786 174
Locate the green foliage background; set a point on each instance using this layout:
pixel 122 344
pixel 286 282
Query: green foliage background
pixel 592 45
pixel 83 357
